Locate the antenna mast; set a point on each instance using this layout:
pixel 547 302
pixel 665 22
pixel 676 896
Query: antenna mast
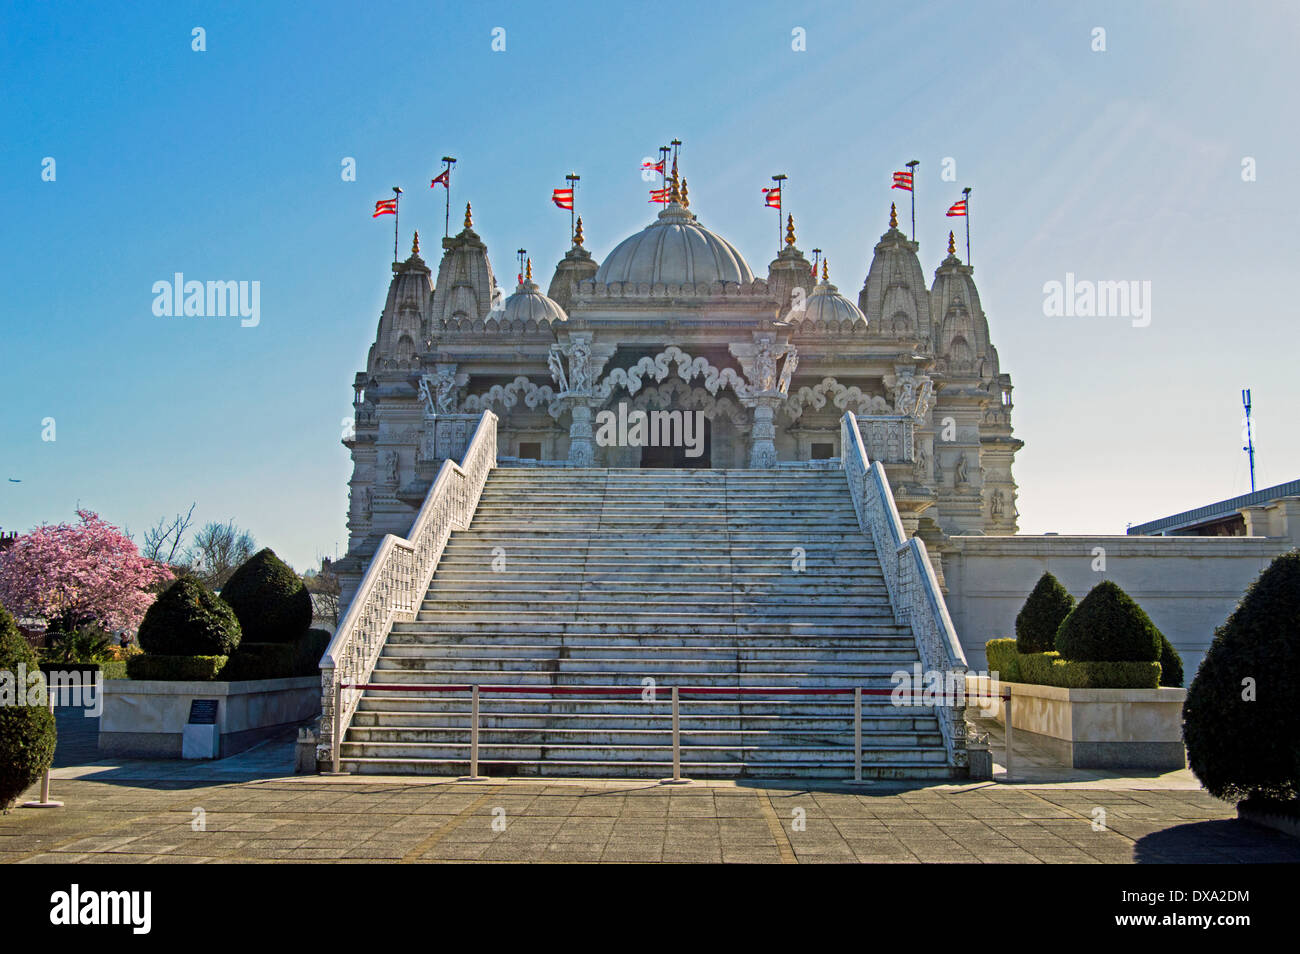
pixel 1250 438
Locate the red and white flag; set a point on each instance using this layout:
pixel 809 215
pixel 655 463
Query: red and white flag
pixel 563 198
pixel 958 208
pixel 772 197
pixel 660 195
pixel 442 179
pixel 903 180
pixel 385 207
pixel 654 166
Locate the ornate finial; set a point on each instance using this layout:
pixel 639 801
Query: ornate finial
pixel 686 199
pixel 528 271
pixel 952 244
pixel 826 272
pixel 674 193
pixel 577 232
pixel 789 230
pixel 415 246
pixel 469 218
pixel 893 216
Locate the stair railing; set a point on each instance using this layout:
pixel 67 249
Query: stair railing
pixel 909 577
pixel 396 581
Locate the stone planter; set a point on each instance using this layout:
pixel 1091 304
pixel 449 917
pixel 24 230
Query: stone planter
pixel 147 718
pixel 1101 728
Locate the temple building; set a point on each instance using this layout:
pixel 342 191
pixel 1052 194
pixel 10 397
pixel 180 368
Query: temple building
pixel 674 318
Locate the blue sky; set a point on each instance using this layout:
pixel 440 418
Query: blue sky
pixel 225 164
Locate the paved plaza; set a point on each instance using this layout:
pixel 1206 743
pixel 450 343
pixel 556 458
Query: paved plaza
pixel 249 808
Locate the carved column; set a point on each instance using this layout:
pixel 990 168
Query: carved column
pixel 582 449
pixel 762 453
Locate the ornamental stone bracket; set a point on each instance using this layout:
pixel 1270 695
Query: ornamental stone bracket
pixel 575 367
pixel 768 390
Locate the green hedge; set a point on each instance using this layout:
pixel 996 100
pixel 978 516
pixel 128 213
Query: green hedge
pixel 278 660
pixel 188 619
pixel 114 669
pixel 27 733
pixel 1003 659
pixel 1038 620
pixel 175 668
pixel 1171 664
pixel 1049 669
pixel 1108 626
pixel 271 600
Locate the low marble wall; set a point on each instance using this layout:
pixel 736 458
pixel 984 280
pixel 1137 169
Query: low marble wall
pixel 1187 585
pixel 146 718
pixel 1101 728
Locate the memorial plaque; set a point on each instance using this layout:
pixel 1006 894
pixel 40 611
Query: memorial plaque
pixel 203 712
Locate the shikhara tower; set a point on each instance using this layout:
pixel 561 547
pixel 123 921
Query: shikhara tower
pixel 673 317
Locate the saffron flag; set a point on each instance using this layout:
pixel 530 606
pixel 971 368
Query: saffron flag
pixel 958 208
pixel 563 198
pixel 772 197
pixel 655 166
pixel 385 207
pixel 903 180
pixel 442 179
pixel 660 195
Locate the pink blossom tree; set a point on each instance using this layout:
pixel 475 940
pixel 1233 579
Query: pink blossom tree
pixel 79 572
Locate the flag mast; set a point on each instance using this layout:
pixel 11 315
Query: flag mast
pixel 780 198
pixel 966 192
pixel 397 206
pixel 573 202
pixel 911 167
pixel 446 220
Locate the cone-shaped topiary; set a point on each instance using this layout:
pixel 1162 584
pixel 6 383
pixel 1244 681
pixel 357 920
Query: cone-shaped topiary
pixel 271 600
pixel 1171 664
pixel 188 619
pixel 1107 626
pixel 27 734
pixel 1048 604
pixel 1241 722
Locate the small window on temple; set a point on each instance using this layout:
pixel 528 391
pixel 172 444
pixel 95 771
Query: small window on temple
pixel 530 450
pixel 823 451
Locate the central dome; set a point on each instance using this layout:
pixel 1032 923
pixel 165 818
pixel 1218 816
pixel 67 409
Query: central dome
pixel 675 250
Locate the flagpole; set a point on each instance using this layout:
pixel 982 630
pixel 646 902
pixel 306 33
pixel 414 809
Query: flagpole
pixel 966 193
pixel 912 168
pixel 446 219
pixel 573 202
pixel 397 211
pixel 663 172
pixel 780 199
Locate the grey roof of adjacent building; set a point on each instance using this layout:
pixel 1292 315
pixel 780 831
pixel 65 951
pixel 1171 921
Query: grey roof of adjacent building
pixel 1216 511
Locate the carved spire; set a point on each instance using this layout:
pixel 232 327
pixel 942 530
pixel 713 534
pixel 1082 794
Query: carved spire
pixel 952 244
pixel 469 218
pixel 686 199
pixel 893 216
pixel 789 230
pixel 528 271
pixel 674 192
pixel 826 272
pixel 415 245
pixel 577 232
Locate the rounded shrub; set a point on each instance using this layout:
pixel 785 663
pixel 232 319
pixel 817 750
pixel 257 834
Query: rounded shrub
pixel 188 619
pixel 1108 626
pixel 1039 619
pixel 27 734
pixel 1171 664
pixel 1240 721
pixel 271 600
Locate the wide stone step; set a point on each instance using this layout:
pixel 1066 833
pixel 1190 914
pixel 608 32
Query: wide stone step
pixel 443 623
pixel 647 768
pixel 590 678
pixel 426 649
pixel 877 666
pixel 447 739
pixel 457 704
pixel 503 587
pixel 497 718
pixel 774 753
pixel 885 636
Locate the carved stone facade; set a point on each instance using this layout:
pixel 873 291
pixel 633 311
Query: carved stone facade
pixel 674 319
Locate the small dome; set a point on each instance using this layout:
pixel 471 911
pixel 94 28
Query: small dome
pixel 529 304
pixel 675 250
pixel 826 304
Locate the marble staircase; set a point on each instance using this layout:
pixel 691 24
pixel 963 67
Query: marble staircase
pixel 705 578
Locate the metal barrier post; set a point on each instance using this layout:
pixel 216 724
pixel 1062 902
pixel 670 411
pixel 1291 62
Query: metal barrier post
pixel 473 731
pixel 857 733
pixel 1006 712
pixel 677 737
pixel 45 779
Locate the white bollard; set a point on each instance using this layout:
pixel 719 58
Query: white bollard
pixel 473 732
pixel 1006 711
pixel 857 734
pixel 45 779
